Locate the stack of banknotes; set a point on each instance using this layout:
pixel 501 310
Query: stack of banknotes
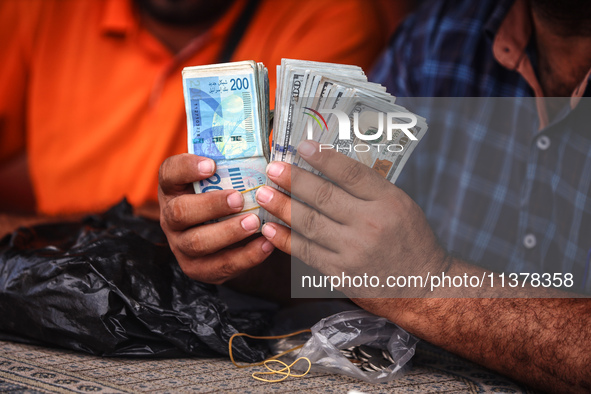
pixel 228 120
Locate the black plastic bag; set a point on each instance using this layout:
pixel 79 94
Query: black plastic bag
pixel 110 285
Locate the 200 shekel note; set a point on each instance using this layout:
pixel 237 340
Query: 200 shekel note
pixel 227 121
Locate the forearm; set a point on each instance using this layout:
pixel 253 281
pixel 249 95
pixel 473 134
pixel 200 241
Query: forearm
pixel 361 222
pixel 544 342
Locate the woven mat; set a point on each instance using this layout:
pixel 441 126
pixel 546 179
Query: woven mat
pixel 34 369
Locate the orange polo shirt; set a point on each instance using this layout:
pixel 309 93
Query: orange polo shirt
pixel 97 101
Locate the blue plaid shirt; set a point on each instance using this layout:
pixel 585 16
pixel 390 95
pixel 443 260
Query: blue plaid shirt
pixel 499 186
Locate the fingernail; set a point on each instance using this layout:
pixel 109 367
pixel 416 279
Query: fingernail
pixel 306 148
pixel 267 247
pixel 268 231
pixel 205 166
pixel 250 223
pixel 235 200
pixel 264 195
pixel 274 169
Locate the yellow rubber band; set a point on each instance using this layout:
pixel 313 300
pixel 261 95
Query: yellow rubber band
pixel 250 209
pixel 280 371
pixel 271 371
pixel 307 370
pixel 249 190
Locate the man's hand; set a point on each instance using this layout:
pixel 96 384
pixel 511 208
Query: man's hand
pixel 359 224
pixel 202 250
pixel 363 223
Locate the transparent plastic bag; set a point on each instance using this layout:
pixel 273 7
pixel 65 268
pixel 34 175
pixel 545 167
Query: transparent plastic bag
pixel 354 328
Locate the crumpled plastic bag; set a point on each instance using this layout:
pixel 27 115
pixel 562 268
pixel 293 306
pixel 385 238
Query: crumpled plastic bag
pixel 110 285
pixel 354 328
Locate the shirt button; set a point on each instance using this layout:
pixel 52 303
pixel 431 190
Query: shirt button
pixel 543 142
pixel 529 241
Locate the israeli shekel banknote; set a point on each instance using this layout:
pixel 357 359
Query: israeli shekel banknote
pixel 310 98
pixel 227 109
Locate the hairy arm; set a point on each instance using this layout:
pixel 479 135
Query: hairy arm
pixel 543 342
pixel 363 224
pixel 539 336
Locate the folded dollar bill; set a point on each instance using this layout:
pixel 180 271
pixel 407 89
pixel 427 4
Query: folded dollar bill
pixel 228 120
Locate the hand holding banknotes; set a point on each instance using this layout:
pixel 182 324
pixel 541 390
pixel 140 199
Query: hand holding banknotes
pixel 228 121
pixel 359 224
pixel 203 250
